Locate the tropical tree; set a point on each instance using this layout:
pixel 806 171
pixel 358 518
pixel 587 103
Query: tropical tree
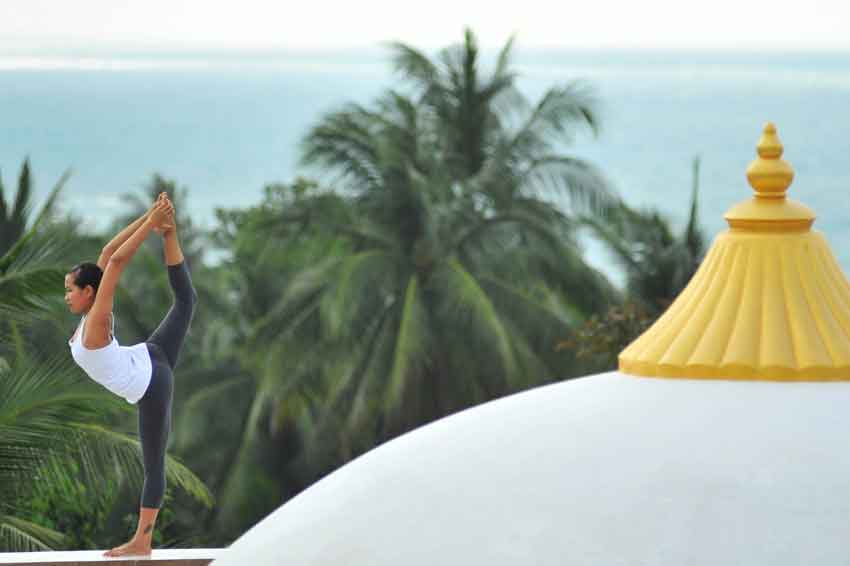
pixel 25 290
pixel 15 215
pixel 55 433
pixel 657 263
pixel 452 233
pixel 259 419
pixel 437 272
pixel 487 128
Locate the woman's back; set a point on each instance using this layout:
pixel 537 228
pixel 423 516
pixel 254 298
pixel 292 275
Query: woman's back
pixel 123 370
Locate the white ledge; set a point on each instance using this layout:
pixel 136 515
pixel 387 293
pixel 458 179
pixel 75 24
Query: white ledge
pixel 159 557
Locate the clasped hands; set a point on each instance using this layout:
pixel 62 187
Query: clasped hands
pixel 161 214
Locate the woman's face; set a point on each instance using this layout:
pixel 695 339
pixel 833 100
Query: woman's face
pixel 78 300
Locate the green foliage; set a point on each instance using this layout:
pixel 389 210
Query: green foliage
pixel 53 441
pixel 15 216
pixel 92 516
pixel 658 264
pixel 601 338
pixel 397 289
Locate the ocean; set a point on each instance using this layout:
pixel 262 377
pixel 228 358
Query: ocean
pixel 225 125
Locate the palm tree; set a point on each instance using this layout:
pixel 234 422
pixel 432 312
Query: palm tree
pixel 53 422
pixel 27 253
pixel 257 467
pixel 15 216
pixel 450 233
pixel 436 275
pixel 26 290
pixel 50 418
pixel 658 264
pixel 486 126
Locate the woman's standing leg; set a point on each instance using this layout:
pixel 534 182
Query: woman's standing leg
pixel 154 426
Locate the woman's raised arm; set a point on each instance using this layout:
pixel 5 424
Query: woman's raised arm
pixel 123 236
pixel 97 330
pixel 158 217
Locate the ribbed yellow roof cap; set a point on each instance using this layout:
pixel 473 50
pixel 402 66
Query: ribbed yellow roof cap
pixel 769 301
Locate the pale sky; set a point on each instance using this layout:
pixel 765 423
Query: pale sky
pixel 31 25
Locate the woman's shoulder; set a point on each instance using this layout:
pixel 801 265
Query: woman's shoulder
pixel 101 323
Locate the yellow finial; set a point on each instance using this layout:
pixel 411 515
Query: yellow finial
pixel 769 301
pixel 770 175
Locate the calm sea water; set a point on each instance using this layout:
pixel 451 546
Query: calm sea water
pixel 225 127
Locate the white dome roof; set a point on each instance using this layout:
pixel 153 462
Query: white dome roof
pixel 747 466
pixel 607 469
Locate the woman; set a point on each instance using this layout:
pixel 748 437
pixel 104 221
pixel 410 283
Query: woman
pixel 141 373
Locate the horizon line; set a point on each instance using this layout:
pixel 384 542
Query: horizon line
pixel 127 49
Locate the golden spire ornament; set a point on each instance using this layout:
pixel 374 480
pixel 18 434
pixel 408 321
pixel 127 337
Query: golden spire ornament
pixel 769 301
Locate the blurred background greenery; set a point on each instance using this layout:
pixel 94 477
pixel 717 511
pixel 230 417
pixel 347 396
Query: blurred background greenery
pixel 441 268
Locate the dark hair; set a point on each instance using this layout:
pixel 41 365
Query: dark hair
pixel 87 274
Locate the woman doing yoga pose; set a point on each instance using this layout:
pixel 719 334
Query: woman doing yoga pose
pixel 141 373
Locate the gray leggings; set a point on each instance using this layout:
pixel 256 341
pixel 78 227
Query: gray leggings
pixel 155 405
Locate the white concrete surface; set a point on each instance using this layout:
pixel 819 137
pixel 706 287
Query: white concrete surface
pixel 604 470
pixel 170 555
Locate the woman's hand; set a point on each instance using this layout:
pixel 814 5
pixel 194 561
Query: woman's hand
pixel 159 197
pixel 162 215
pixel 164 230
pixel 170 223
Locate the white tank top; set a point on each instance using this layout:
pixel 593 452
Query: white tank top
pixel 123 370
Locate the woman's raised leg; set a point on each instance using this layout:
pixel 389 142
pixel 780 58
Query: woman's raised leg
pixel 171 332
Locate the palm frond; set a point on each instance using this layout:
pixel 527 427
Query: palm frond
pixel 13 223
pixel 3 209
pixel 28 293
pixel 694 238
pixel 467 308
pixel 411 346
pixel 52 197
pixel 352 398
pixel 560 109
pixel 584 183
pixel 18 535
pixel 45 395
pixel 304 289
pixel 240 469
pixel 35 247
pixel 343 141
pixel 523 303
pixel 48 414
pixel 103 449
pixel 357 288
pixel 503 61
pixel 375 362
pixel 532 369
pixel 414 65
pixel 21 208
pixel 224 385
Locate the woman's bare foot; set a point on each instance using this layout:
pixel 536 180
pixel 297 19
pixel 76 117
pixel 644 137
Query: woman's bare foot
pixel 132 548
